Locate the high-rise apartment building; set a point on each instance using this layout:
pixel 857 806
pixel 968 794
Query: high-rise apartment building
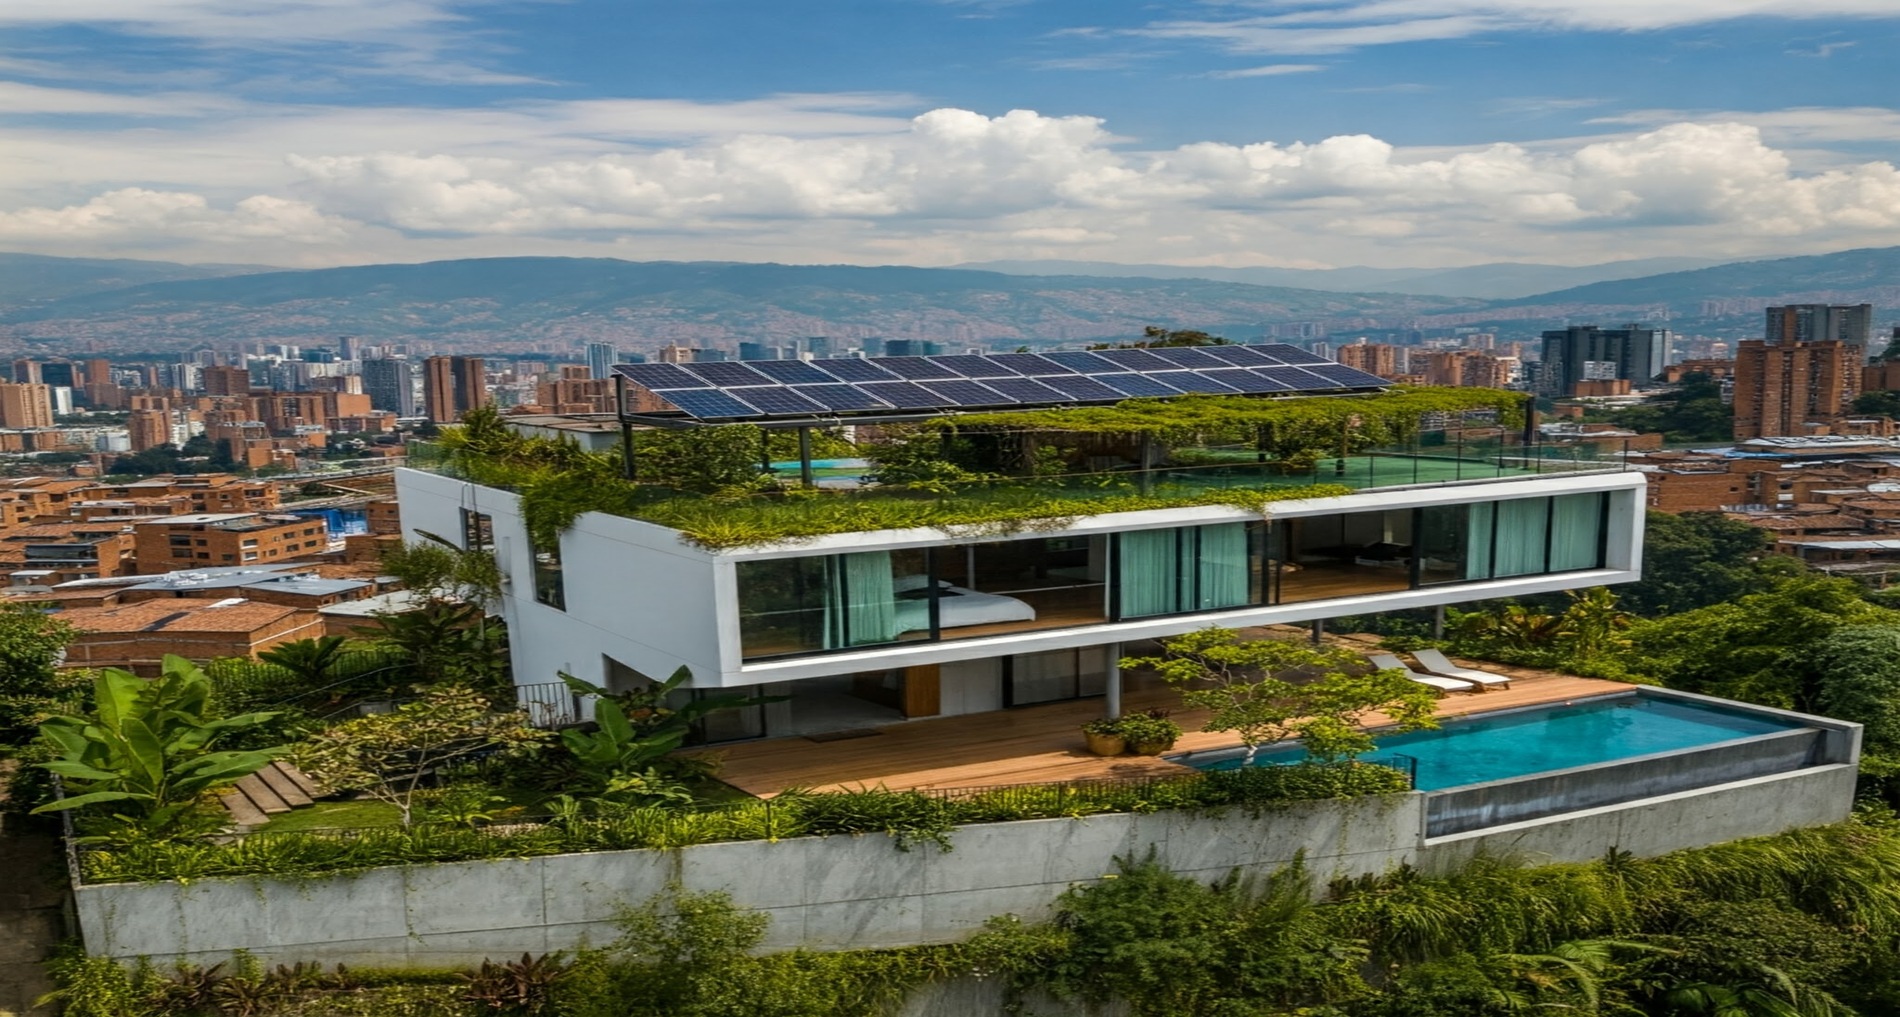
pixel 601 358
pixel 227 381
pixel 390 385
pixel 149 429
pixel 1780 388
pixel 1588 353
pixel 453 386
pixel 1851 325
pixel 1467 369
pixel 757 351
pixel 818 347
pixel 1382 359
pixel 27 405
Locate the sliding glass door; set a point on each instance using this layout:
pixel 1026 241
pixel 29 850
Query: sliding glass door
pixel 1186 569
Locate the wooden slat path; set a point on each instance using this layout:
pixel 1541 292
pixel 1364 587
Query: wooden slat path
pixel 275 789
pixel 1043 744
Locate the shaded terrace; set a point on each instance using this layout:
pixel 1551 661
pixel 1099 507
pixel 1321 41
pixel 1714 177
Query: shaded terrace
pixel 1043 744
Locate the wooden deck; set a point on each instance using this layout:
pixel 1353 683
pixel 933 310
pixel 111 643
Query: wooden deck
pixel 1043 744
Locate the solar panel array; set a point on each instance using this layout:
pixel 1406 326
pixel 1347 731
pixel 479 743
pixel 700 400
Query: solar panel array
pixel 763 389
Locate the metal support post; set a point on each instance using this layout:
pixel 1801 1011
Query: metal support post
pixel 804 457
pixel 1114 705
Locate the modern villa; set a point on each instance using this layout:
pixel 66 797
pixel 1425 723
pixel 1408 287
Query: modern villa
pixel 874 626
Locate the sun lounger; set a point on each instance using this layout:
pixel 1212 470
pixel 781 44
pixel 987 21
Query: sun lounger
pixel 1435 662
pixel 1386 661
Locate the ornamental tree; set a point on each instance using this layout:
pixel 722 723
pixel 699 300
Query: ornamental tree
pixel 1269 690
pixel 391 756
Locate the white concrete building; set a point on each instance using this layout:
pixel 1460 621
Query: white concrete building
pixel 873 627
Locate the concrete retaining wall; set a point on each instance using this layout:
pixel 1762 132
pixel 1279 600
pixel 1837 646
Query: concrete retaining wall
pixel 1519 799
pixel 820 892
pixel 1757 807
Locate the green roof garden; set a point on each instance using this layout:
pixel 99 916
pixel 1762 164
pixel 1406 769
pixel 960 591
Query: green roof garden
pixel 1005 472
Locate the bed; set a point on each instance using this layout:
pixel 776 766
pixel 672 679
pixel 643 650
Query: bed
pixel 957 607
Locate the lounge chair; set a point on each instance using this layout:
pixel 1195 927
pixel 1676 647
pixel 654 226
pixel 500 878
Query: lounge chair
pixel 1435 662
pixel 1388 662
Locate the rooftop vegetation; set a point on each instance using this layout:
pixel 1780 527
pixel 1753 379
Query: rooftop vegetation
pixel 993 472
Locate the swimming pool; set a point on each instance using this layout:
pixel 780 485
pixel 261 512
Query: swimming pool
pixel 1519 743
pixel 825 464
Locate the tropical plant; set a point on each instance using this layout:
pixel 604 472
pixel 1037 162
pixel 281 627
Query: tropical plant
pixel 32 687
pixel 524 987
pixel 1515 627
pixel 1592 624
pixel 1267 690
pixel 1149 728
pixel 439 569
pixel 392 756
pixel 312 663
pixel 442 641
pixel 148 748
pixel 635 732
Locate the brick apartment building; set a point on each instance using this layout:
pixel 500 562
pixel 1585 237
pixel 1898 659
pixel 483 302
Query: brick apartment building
pixel 225 538
pixel 1783 388
pixel 137 636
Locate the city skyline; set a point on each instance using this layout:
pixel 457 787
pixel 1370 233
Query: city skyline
pixel 1315 134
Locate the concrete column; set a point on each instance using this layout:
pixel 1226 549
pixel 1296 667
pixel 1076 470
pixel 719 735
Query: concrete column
pixel 1114 705
pixel 1319 629
pixel 804 457
pixel 1438 622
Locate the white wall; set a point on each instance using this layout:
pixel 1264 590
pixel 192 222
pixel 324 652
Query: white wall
pixel 635 592
pixel 971 686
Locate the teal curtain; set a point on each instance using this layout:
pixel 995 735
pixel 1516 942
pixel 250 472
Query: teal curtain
pixel 1522 527
pixel 1150 573
pixel 860 603
pixel 1576 527
pixel 1223 566
pixel 1478 541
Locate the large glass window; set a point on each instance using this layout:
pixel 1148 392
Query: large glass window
pixel 1189 568
pixel 1347 555
pixel 1021 585
pixel 1576 531
pixel 549 588
pixel 1055 675
pixel 822 603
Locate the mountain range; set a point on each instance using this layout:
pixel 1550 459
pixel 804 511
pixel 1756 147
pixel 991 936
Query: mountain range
pixel 548 305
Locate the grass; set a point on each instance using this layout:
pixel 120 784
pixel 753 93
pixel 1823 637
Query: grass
pixel 334 816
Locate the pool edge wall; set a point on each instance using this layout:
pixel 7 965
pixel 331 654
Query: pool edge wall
pixel 1815 741
pixel 1699 817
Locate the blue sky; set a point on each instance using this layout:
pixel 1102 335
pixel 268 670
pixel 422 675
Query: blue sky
pixel 1234 132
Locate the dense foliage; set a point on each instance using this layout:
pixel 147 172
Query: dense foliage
pixel 1691 411
pixel 907 816
pixel 1807 923
pixel 32 687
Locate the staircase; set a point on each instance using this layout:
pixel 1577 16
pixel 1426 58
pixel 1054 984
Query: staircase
pixel 276 789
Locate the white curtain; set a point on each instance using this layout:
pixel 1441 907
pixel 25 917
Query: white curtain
pixel 860 602
pixel 1576 526
pixel 1223 566
pixel 1522 530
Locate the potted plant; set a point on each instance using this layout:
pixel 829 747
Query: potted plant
pixel 1105 736
pixel 1151 733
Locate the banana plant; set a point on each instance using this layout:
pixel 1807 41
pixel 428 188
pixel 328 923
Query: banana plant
pixel 636 731
pixel 147 747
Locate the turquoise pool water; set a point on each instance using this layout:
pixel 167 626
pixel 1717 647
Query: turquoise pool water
pixel 1547 738
pixel 825 464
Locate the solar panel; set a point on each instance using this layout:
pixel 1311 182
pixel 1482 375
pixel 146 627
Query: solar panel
pixel 1026 390
pixel 776 400
pixel 854 369
pixel 967 393
pixel 659 376
pixel 791 372
pixel 903 394
pixel 916 368
pixel 840 397
pixel 1137 385
pixel 706 403
pixel 1079 361
pixel 1035 365
pixel 1351 377
pixel 975 367
pixel 1197 382
pixel 1187 356
pixel 1236 354
pixel 1247 381
pixel 1133 360
pixel 1287 354
pixel 1250 356
pixel 1083 390
pixel 726 374
pixel 1292 377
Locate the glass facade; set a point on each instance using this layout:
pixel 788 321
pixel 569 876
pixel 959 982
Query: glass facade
pixel 824 603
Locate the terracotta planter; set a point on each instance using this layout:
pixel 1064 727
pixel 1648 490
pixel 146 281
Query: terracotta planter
pixel 1106 744
pixel 1153 748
